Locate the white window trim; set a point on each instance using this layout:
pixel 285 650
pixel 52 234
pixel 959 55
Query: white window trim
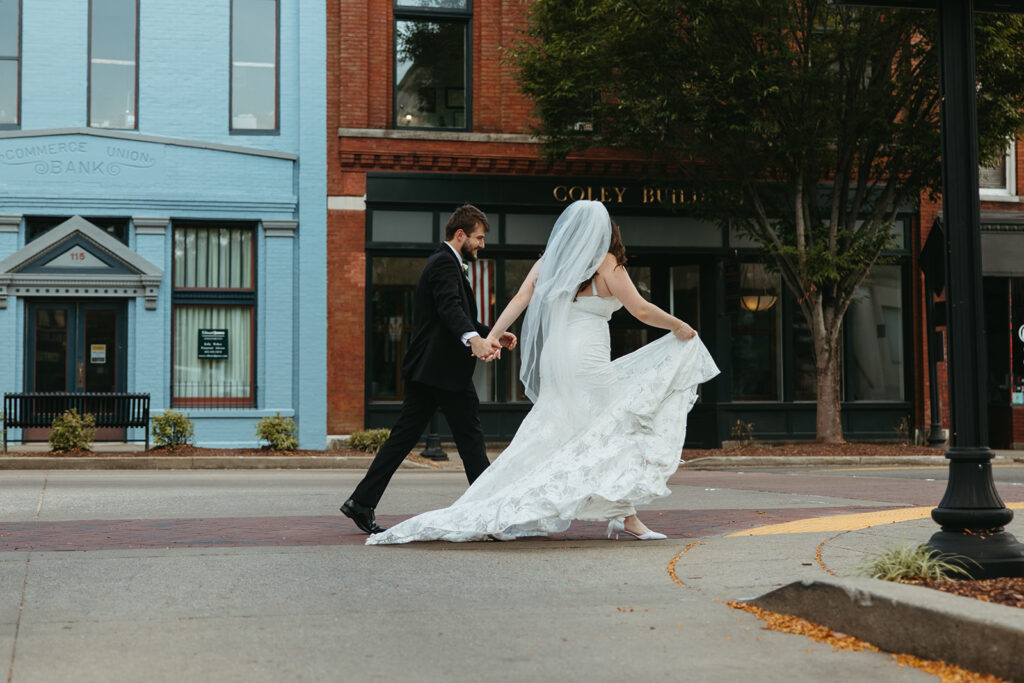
pixel 1008 193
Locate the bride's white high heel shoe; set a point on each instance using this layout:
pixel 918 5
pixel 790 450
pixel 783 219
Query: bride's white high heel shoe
pixel 616 527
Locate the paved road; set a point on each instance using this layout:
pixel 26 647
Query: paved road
pixel 253 575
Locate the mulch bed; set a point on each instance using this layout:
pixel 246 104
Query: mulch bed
pixel 191 452
pixel 816 449
pixel 1004 591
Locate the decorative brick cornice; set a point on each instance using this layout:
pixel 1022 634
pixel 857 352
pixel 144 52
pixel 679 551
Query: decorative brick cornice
pixel 503 165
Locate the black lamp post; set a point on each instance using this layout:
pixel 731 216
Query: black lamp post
pixel 971 514
pixel 432 449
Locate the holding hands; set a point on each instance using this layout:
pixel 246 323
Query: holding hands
pixel 486 349
pixel 505 340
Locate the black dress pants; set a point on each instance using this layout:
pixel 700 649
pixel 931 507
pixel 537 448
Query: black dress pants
pixel 460 409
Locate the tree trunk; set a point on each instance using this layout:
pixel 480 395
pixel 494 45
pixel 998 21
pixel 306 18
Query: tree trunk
pixel 829 425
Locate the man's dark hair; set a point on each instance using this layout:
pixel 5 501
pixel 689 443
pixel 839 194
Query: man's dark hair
pixel 465 218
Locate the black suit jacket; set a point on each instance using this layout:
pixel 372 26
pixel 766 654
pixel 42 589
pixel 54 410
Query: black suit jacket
pixel 443 310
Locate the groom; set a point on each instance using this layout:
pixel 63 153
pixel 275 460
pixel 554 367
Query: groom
pixel 438 368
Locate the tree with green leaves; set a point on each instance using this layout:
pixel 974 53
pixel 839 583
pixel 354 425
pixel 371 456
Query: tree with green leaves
pixel 808 127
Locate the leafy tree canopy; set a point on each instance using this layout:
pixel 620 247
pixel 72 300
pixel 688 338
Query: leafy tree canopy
pixel 807 125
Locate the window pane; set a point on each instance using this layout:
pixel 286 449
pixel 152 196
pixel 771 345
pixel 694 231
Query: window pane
pixel 9 26
pixel 254 64
pixel 481 280
pixel 528 228
pixel 112 72
pixel 402 226
pixel 431 74
pixel 213 258
pixel 8 91
pixel 805 371
pixel 756 340
pixel 217 371
pixel 875 323
pixel 668 231
pixel 393 281
pixel 40 225
pixel 434 4
pixel 515 272
pixel 993 177
pixel 684 293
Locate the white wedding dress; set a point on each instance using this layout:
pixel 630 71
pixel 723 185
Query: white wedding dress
pixel 591 451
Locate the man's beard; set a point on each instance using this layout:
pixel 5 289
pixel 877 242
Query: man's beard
pixel 467 254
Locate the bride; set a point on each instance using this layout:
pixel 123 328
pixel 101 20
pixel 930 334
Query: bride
pixel 603 436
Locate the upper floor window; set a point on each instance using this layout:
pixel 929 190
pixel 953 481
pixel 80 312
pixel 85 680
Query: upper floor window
pixel 113 63
pixel 1000 179
pixel 10 62
pixel 432 47
pixel 254 65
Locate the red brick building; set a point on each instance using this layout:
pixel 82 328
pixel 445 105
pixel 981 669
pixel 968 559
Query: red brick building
pixel 423 115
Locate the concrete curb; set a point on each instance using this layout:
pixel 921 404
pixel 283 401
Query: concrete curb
pixel 143 462
pixel 730 462
pixel 902 618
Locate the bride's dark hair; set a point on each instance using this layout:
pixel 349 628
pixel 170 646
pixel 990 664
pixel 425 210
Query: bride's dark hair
pixel 616 248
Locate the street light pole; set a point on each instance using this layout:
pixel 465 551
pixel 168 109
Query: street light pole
pixel 971 513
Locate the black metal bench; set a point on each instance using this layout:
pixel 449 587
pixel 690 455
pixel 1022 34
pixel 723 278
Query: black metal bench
pixel 118 410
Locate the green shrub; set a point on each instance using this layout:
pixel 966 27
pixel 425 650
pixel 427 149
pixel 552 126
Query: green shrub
pixel 368 439
pixel 71 431
pixel 905 563
pixel 172 428
pixel 279 432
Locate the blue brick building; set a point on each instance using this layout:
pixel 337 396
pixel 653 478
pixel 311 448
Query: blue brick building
pixel 163 207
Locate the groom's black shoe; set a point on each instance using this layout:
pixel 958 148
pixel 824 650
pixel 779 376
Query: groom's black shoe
pixel 362 516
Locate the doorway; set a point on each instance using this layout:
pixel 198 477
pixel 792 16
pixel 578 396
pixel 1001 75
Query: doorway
pixel 75 347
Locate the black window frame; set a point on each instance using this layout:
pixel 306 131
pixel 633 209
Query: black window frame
pixel 276 130
pixel 209 296
pixel 88 95
pixel 17 87
pixel 450 15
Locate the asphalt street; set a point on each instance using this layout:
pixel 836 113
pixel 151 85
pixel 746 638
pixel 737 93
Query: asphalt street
pixel 255 576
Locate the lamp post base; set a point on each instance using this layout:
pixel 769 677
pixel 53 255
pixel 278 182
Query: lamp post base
pixel 989 554
pixel 433 449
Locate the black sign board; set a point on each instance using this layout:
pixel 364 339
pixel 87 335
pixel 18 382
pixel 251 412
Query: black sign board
pixel 213 344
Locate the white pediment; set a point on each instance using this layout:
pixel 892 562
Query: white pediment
pixel 78 259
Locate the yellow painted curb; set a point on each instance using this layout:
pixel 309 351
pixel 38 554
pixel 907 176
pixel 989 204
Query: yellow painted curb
pixel 861 520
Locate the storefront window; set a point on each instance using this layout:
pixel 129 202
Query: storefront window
pixel 214 316
pixel 253 65
pixel 756 357
pixel 481 280
pixel 213 355
pixel 874 325
pixel 431 39
pixel 393 282
pixel 684 291
pixel 113 75
pixel 10 61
